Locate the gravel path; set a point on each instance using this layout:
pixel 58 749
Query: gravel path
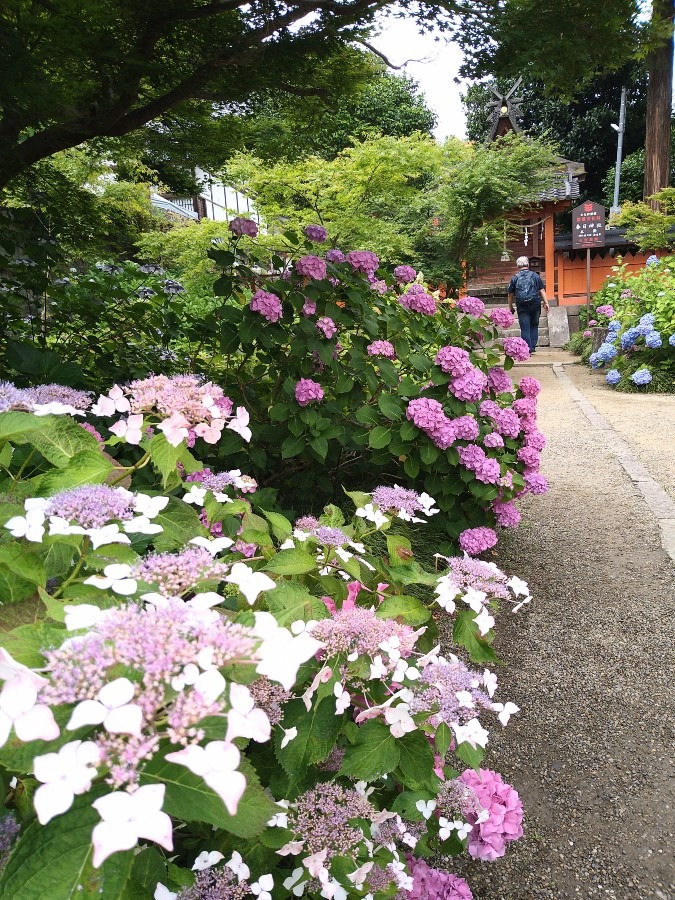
pixel 590 663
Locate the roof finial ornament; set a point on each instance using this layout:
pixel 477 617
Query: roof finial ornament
pixel 505 111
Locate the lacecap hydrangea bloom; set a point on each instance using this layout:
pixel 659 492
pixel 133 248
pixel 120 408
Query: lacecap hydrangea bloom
pixel 308 391
pixel 267 304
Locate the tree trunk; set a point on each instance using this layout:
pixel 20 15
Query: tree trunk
pixel 659 94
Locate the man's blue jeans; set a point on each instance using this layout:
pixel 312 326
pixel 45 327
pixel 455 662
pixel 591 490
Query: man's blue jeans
pixel 529 312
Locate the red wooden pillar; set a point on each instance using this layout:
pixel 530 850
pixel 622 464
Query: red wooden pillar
pixel 549 251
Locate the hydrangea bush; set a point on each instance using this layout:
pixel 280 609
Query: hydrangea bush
pixel 638 310
pixel 208 699
pixel 354 377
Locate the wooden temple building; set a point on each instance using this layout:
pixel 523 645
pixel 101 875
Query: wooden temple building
pixel 534 233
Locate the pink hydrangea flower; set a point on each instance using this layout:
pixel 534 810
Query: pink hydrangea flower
pixel 587 333
pixel 507 423
pixel 335 256
pixel 530 457
pixel 606 310
pixel 535 439
pixel 529 387
pixel 243 226
pixel 311 267
pixel 308 391
pixel 502 318
pixel 316 233
pixel 507 515
pixel 466 428
pixel 453 360
pixel 420 302
pixel 434 884
pixel 380 287
pixel 404 274
pixel 494 439
pixel 516 348
pixel 309 307
pixel 470 386
pixel 489 408
pixel 499 381
pixel 326 326
pixel 268 305
pixel 593 322
pixel 488 839
pixel 363 261
pixel 381 348
pixel 473 306
pixel 525 406
pixel 476 540
pixel 535 483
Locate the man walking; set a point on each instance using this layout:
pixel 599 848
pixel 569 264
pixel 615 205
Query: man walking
pixel 528 290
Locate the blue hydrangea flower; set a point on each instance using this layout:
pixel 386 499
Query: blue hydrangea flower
pixel 652 260
pixel 611 337
pixel 653 340
pixel 647 319
pixel 595 361
pixel 613 376
pixel 671 340
pixel 614 325
pixel 629 337
pixel 606 352
pixel 642 376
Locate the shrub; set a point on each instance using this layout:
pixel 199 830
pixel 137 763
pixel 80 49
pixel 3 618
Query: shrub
pixel 263 700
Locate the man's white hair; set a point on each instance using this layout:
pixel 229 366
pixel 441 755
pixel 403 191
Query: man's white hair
pixel 522 262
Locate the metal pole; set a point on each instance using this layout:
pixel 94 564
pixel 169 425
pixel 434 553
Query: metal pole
pixel 588 282
pixel 619 150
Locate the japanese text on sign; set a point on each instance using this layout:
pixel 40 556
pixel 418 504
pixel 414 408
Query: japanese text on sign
pixel 588 226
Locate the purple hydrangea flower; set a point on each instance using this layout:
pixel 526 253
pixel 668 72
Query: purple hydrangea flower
pixel 381 348
pixel 516 348
pixel 308 391
pixel 473 306
pixel 92 505
pixel 311 267
pixel 316 233
pixel 499 381
pixel 420 302
pixel 326 326
pixel 466 428
pixel 470 386
pixel 404 274
pixel 606 310
pixel 530 387
pixel 363 261
pixel 380 287
pixel 502 318
pixel 267 304
pixel 434 884
pixel 453 360
pixel 335 256
pixel 309 307
pixel 507 515
pixel 535 483
pixel 241 226
pixel 493 440
pixel 476 540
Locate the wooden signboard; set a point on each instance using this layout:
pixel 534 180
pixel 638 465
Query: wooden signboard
pixel 588 226
pixel 588 230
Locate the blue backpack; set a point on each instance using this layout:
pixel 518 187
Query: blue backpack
pixel 526 285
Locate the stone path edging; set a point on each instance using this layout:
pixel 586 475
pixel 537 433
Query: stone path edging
pixel 658 501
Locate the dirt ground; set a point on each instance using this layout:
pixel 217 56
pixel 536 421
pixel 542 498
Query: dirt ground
pixel 590 662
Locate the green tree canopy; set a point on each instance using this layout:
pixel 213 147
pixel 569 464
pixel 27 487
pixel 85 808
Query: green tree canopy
pixel 75 70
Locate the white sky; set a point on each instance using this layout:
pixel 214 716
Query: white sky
pixel 440 61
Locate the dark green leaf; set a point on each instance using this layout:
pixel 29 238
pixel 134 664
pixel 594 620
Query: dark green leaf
pixel 374 753
pixel 379 437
